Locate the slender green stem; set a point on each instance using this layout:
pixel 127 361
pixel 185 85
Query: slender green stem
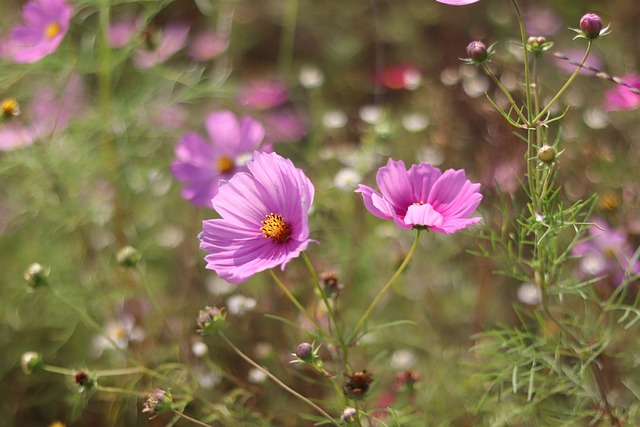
pixel 384 290
pixel 118 390
pixel 527 76
pixel 59 370
pixel 295 302
pixel 277 380
pixel 544 111
pixel 288 37
pixel 506 93
pixel 188 418
pixel 323 294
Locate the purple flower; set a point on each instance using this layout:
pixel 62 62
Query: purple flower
pixel 284 124
pixel 202 164
pixel 45 24
pixel 457 2
pixel 607 253
pixel 122 31
pixel 263 94
pixel 621 97
pixel 423 197
pixel 264 219
pixel 171 40
pixel 207 45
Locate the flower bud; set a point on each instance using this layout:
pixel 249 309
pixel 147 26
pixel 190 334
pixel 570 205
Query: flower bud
pixel 31 362
pixel 357 385
pixel 128 257
pixel 157 401
pixel 477 52
pixel 546 154
pixel 83 379
pixel 210 320
pixel 591 25
pixel 36 275
pixel 349 415
pixel 304 351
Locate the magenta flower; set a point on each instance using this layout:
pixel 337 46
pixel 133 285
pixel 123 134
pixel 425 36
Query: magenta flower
pixel 207 45
pixel 45 24
pixel 606 254
pixel 170 40
pixel 264 219
pixel 620 97
pixel 263 94
pixel 457 2
pixel 120 32
pixel 423 197
pixel 202 164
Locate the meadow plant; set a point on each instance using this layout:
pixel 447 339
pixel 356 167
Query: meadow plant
pixel 410 321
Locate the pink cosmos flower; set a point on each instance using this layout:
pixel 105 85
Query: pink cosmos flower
pixel 457 2
pixel 170 40
pixel 264 219
pixel 207 45
pixel 45 24
pixel 121 32
pixel 607 254
pixel 423 197
pixel 202 164
pixel 621 98
pixel 263 94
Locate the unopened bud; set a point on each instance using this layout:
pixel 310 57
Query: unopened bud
pixel 36 275
pixel 591 25
pixel 546 154
pixel 477 52
pixel 83 379
pixel 128 256
pixel 31 362
pixel 304 351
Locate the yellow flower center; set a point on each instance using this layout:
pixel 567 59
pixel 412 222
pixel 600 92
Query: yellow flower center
pixel 275 228
pixel 10 107
pixel 52 30
pixel 225 164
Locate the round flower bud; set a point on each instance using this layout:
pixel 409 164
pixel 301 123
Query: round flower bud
pixel 591 25
pixel 83 379
pixel 36 275
pixel 349 415
pixel 128 256
pixel 31 362
pixel 477 52
pixel 304 351
pixel 546 154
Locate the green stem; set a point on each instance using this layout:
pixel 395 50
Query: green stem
pixel 188 418
pixel 288 37
pixel 118 390
pixel 277 381
pixel 505 92
pixel 527 76
pixel 323 294
pixel 564 88
pixel 295 302
pixel 384 290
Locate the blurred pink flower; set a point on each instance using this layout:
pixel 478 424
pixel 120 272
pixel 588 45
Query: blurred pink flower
pixel 46 22
pixel 207 45
pixel 457 2
pixel 284 124
pixel 48 112
pixel 170 40
pixel 263 94
pixel 264 219
pixel 606 254
pixel 621 97
pixel 201 164
pixel 423 197
pixel 122 31
pixel 541 21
